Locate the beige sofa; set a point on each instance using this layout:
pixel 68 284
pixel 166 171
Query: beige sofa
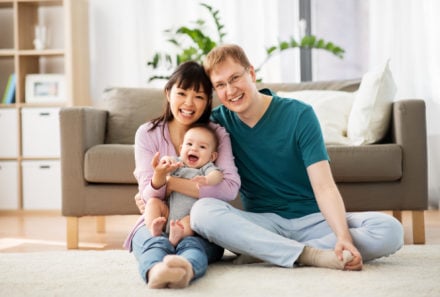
pixel 97 158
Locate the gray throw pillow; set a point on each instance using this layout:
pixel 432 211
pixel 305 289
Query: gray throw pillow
pixel 128 109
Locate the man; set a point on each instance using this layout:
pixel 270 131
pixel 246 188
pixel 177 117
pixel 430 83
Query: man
pixel 294 213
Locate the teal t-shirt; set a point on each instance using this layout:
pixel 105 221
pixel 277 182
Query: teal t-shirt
pixel 272 157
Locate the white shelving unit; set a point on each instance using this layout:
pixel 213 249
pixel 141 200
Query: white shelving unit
pixel 29 132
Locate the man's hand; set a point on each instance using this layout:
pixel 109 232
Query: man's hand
pixel 356 262
pixel 140 203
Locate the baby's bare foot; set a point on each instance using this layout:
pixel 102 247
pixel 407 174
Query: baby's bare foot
pixel 157 225
pixel 176 232
pixel 161 275
pixel 174 261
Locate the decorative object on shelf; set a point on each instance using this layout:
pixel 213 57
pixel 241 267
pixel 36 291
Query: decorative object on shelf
pixel 40 37
pixel 194 44
pixel 9 94
pixel 45 88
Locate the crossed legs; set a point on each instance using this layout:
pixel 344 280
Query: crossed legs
pixel 284 242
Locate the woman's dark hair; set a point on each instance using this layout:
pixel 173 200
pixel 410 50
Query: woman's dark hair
pixel 188 75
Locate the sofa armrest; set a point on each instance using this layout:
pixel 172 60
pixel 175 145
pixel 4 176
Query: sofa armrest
pixel 409 131
pixel 80 129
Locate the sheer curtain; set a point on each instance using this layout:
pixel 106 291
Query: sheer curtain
pixel 124 34
pixel 408 31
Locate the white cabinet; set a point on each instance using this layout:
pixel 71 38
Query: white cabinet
pixel 8 133
pixel 9 185
pixel 41 185
pixel 40 132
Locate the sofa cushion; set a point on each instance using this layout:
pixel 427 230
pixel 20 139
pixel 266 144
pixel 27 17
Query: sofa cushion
pixel 110 163
pixel 371 112
pixel 128 109
pixel 335 85
pixel 366 163
pixel 332 109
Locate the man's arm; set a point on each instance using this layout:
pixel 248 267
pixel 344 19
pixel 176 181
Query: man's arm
pixel 332 207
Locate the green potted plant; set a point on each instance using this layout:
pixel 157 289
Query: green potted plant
pixel 193 44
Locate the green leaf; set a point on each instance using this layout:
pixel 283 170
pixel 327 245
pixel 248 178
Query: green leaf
pixel 271 49
pixel 293 43
pixel 283 45
pixel 320 44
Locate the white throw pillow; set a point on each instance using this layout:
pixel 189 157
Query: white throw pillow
pixel 370 115
pixel 332 109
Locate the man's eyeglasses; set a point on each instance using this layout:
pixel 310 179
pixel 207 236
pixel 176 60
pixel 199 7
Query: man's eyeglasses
pixel 234 79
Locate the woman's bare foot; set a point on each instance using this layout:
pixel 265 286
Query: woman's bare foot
pixel 162 275
pixel 157 225
pixel 179 262
pixel 176 232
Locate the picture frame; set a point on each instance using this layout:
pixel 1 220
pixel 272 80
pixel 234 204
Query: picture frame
pixel 45 88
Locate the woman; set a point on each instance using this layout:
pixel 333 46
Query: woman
pixel 189 101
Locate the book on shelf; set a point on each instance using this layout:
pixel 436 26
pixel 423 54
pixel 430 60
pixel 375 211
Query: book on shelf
pixel 9 94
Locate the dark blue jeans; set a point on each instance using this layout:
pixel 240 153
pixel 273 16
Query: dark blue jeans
pixel 150 250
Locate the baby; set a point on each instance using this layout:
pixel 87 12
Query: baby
pixel 196 162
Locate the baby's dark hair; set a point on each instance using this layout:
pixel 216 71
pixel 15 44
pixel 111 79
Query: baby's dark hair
pixel 208 128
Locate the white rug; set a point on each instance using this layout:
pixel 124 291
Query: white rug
pixel 413 271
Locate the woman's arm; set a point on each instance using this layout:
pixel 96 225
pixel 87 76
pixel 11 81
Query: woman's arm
pixel 228 188
pixel 145 148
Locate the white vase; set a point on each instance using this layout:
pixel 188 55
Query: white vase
pixel 40 37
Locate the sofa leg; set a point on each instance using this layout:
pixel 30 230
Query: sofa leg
pixel 72 232
pixel 398 215
pixel 100 224
pixel 418 226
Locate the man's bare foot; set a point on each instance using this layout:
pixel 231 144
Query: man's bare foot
pixel 157 225
pixel 323 258
pixel 179 262
pixel 161 275
pixel 176 232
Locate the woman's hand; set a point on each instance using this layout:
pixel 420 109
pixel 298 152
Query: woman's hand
pixel 140 203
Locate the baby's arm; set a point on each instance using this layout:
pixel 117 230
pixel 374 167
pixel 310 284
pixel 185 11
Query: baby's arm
pixel 162 168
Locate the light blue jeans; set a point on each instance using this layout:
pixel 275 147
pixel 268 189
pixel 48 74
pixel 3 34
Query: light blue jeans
pixel 150 250
pixel 280 241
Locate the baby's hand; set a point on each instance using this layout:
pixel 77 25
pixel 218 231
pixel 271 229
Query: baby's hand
pixel 167 164
pixel 200 180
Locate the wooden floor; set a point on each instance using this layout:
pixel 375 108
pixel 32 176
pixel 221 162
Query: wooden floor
pixel 36 231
